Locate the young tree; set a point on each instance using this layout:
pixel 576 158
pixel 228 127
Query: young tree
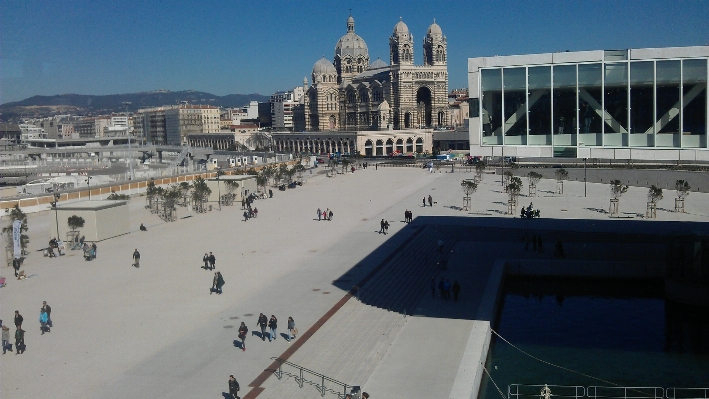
pixel 469 188
pixel 654 194
pixel 561 175
pixel 200 192
pixel 75 222
pixel 533 178
pixel 151 192
pixel 682 188
pixel 507 176
pixel 514 187
pixel 17 214
pixel 617 190
pixel 184 192
pixel 479 170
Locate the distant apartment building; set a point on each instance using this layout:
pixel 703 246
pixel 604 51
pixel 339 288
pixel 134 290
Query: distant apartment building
pixel 184 120
pixel 152 123
pixel 282 104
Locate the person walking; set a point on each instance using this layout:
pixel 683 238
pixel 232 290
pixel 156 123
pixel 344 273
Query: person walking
pixel 94 248
pixel 20 341
pixel 243 330
pixel 48 309
pixel 430 200
pixel 381 227
pixel 136 258
pixel 6 340
pixel 424 202
pixel 262 322
pixel 217 283
pixel 273 325
pixel 205 259
pixel 212 260
pixel 386 227
pixel 233 387
pixel 329 215
pixel 18 319
pixel 16 265
pixel 246 216
pixel 43 321
pixel 319 214
pixel 456 290
pixel 291 329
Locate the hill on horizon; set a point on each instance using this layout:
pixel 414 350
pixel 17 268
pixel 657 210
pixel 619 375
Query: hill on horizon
pixel 38 106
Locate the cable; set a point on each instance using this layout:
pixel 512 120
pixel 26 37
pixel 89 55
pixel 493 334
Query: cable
pixel 552 364
pixel 493 382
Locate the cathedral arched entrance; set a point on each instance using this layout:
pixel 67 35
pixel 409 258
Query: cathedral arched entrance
pixel 368 148
pixel 423 103
pixel 390 147
pixel 380 148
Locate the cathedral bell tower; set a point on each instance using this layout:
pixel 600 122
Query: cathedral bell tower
pixel 401 45
pixel 434 46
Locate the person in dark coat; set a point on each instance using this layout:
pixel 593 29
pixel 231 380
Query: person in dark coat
pixel 205 259
pixel 424 202
pixel 262 322
pixel 212 260
pixel 243 330
pixel 93 247
pixel 456 290
pixel 273 325
pixel 47 309
pixel 16 265
pixel 233 387
pixel 430 201
pixel 381 227
pixel 20 341
pixel 136 258
pixel 217 283
pixel 18 319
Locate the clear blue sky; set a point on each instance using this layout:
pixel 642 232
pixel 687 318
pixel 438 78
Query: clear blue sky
pixel 226 47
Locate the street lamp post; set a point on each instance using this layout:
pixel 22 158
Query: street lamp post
pixel 584 177
pixel 56 214
pixel 88 184
pixel 219 188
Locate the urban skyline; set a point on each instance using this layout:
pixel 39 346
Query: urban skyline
pixel 102 48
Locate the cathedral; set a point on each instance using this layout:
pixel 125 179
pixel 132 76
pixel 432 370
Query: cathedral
pixel 352 94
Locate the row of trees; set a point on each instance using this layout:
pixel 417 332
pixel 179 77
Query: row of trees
pixel 277 175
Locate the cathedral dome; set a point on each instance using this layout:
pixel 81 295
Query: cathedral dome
pixel 400 29
pixel 434 30
pixel 378 64
pixel 324 67
pixel 351 44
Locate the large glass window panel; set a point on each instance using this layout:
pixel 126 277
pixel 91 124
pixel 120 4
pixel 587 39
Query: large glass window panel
pixel 642 77
pixel 694 96
pixel 615 102
pixel 491 85
pixel 590 79
pixel 668 103
pixel 564 105
pixel 539 81
pixel 515 105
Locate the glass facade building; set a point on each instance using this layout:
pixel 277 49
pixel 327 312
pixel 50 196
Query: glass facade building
pixel 618 104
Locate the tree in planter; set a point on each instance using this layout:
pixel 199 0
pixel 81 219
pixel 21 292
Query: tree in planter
pixel 479 170
pixel 17 214
pixel 654 194
pixel 169 198
pixel 533 178
pixel 561 175
pixel 682 188
pixel 262 180
pixel 200 192
pixel 469 188
pixel 617 190
pixel 75 223
pixel 299 169
pixel 508 178
pixel 184 193
pixel 513 188
pixel 151 193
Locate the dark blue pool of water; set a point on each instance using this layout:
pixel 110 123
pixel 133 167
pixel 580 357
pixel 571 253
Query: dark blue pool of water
pixel 623 332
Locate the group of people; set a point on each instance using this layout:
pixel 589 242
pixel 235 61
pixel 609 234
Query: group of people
pixel 217 283
pixel 430 201
pixel 209 261
pixel 408 216
pixel 89 251
pixel 529 212
pixel 325 215
pixel 53 244
pixel 45 323
pixel 250 213
pixel 264 322
pixel 445 288
pixel 384 227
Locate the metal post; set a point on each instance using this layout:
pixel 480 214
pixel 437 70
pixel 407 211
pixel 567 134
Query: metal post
pixel 56 215
pixel 88 184
pixel 584 177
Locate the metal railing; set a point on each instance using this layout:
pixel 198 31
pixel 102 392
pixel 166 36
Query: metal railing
pixel 300 378
pixel 687 393
pixel 521 391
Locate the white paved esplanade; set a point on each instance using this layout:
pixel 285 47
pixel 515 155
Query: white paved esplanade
pixel 156 332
